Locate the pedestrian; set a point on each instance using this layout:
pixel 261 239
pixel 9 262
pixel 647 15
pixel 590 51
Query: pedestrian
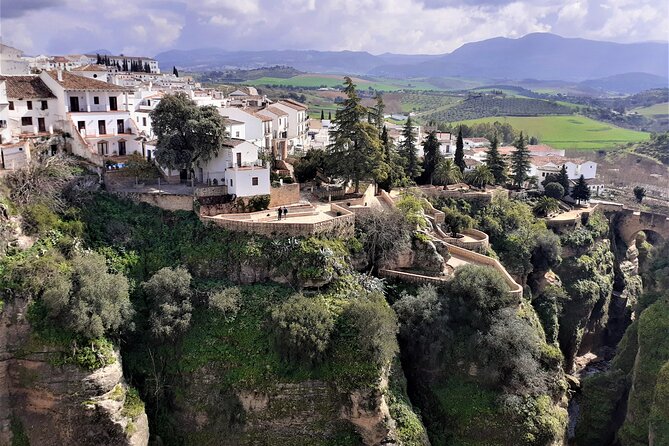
pixel 279 211
pixel 285 212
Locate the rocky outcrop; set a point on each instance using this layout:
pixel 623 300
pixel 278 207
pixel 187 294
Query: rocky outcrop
pixel 50 404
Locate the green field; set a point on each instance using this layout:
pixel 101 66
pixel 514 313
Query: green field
pixel 333 81
pixel 570 132
pixel 654 110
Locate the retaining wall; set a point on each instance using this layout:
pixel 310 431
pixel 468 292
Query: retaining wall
pixel 479 245
pixel 169 202
pixel 283 195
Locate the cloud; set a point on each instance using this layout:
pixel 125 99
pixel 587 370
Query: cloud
pixel 377 26
pixel 18 8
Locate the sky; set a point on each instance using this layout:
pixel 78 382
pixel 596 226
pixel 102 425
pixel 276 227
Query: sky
pixel 147 27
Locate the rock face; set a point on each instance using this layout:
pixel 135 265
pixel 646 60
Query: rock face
pixel 308 412
pixel 48 404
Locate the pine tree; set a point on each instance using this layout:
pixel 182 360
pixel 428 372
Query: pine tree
pixel 355 151
pixel 520 161
pixel 431 156
pixel 581 191
pixel 375 116
pixel 322 114
pixel 562 178
pixel 495 161
pixel 408 151
pixel 395 175
pixel 460 152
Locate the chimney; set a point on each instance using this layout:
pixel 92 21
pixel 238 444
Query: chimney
pixel 60 75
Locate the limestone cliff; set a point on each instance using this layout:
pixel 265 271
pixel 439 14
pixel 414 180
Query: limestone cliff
pixel 44 403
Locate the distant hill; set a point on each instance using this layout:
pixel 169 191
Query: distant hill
pixel 627 83
pixel 538 56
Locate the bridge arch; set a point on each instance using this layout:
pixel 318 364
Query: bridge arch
pixel 630 223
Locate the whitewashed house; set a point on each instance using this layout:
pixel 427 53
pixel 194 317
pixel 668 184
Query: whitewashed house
pixel 28 108
pixel 97 114
pixel 258 128
pixel 237 166
pixel 298 123
pixel 11 62
pixel 279 132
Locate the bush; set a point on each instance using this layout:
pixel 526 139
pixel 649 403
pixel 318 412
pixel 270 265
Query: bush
pixel 554 190
pixel 88 300
pixel 578 238
pixel 547 251
pixel 456 221
pixel 169 294
pixel 302 327
pixel 375 326
pixel 227 301
pixel 258 203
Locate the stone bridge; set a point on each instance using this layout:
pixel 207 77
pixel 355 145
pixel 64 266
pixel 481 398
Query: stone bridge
pixel 630 222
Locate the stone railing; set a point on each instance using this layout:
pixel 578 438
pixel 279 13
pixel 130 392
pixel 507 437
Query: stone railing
pixel 476 258
pixel 341 225
pixel 419 279
pixel 480 243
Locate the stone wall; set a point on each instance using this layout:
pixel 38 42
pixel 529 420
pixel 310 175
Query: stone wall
pixel 169 202
pixel 211 191
pixel 284 195
pixel 480 244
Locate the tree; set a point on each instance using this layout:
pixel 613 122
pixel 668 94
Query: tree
pixel 563 178
pixel 322 114
pixel 383 235
pixel 460 152
pixel 581 191
pixel 307 168
pixel 98 59
pixel 456 221
pixel 329 115
pixel 169 294
pixel 554 190
pixel 187 134
pixel 175 71
pixel 302 327
pixel 546 206
pixel 392 159
pixel 431 156
pixel 639 193
pixel 495 161
pixel 90 301
pixel 375 326
pixel 447 173
pixel 408 151
pixel 479 177
pixel 533 141
pixel 520 162
pixel 355 150
pixel 375 115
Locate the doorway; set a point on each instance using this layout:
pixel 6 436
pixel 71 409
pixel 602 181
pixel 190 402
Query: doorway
pixel 74 104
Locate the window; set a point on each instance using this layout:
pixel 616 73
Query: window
pixel 3 124
pixel 254 181
pixel 144 122
pixel 29 104
pixel 81 125
pixel 230 182
pixel 102 127
pixel 45 105
pixel 11 105
pixel 236 134
pixel 112 103
pixel 96 100
pixel 26 120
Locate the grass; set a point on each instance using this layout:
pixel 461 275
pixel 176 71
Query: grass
pixel 570 132
pixel 654 110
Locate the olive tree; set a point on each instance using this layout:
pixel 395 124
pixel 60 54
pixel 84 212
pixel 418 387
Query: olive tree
pixel 169 295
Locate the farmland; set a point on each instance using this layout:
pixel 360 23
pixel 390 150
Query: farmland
pixel 334 81
pixel 661 109
pixel 570 132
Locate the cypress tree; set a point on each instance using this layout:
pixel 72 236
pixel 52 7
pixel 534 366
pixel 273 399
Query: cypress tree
pixel 329 115
pixel 460 152
pixel 520 161
pixel 563 178
pixel 431 156
pixel 408 151
pixel 495 162
pixel 99 59
pixel 322 114
pixel 581 191
pixel 175 71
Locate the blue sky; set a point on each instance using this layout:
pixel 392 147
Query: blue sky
pixel 148 27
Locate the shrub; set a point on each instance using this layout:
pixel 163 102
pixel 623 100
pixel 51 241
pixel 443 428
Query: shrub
pixel 375 326
pixel 88 300
pixel 258 203
pixel 227 301
pixel 169 294
pixel 547 251
pixel 554 190
pixel 138 166
pixel 302 328
pixel 456 221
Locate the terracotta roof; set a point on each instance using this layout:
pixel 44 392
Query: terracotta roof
pixel 90 67
pixel 26 87
pixel 263 118
pixel 72 82
pixel 229 121
pixel 233 142
pixel 485 140
pixel 276 111
pixel 293 104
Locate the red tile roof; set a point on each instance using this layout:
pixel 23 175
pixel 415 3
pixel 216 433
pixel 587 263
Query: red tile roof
pixel 72 82
pixel 26 87
pixel 293 104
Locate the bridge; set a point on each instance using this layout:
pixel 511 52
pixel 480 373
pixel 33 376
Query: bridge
pixel 630 222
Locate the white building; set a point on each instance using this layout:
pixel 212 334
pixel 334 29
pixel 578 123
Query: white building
pixel 237 166
pixel 11 62
pixel 258 128
pixel 475 143
pixel 446 144
pixel 97 115
pixel 152 63
pixel 280 130
pixel 298 123
pixel 28 108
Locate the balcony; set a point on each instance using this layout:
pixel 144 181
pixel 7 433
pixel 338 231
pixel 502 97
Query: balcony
pixel 258 164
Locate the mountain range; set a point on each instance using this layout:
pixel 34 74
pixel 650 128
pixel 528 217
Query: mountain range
pixel 540 56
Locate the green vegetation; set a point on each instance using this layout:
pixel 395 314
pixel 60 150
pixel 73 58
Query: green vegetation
pixel 133 406
pixel 657 147
pixel 333 81
pixel 569 132
pixel 654 110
